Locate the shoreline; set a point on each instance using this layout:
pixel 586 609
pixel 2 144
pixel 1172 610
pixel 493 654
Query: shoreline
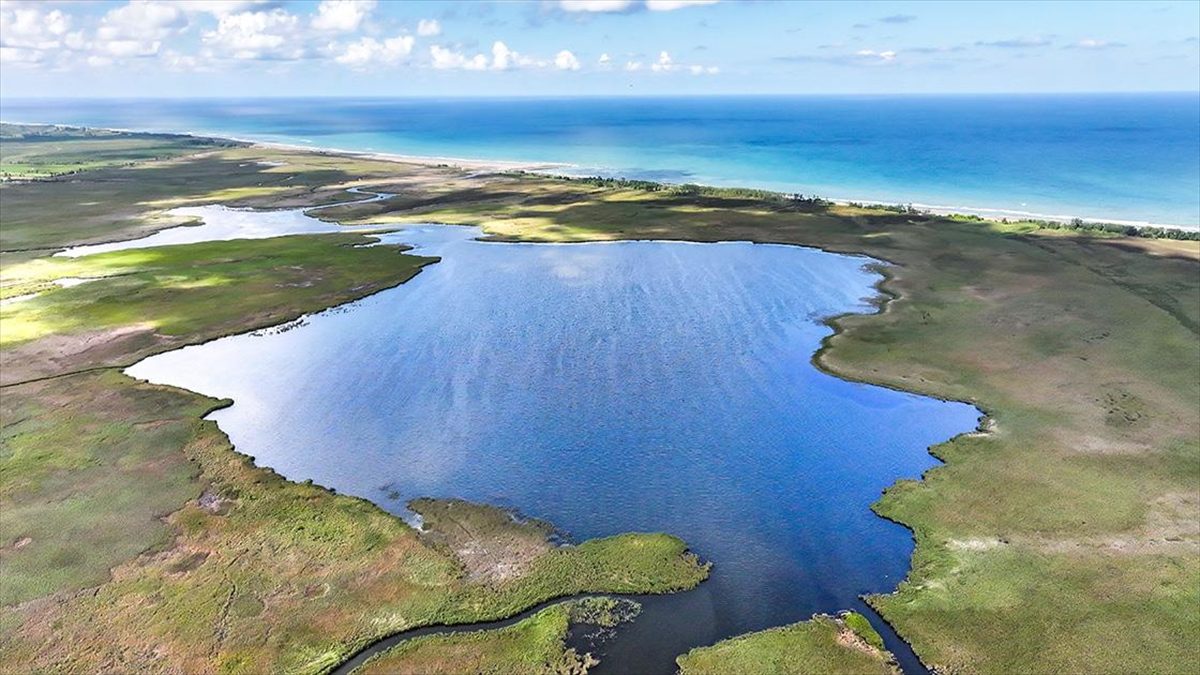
pixel 992 214
pixel 897 644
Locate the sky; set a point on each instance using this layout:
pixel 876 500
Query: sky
pixel 237 48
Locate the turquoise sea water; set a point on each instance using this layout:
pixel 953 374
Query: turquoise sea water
pixel 634 386
pixel 1113 157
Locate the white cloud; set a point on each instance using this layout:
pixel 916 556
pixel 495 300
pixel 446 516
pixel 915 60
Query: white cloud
pixel 447 59
pixel 633 66
pixel 369 51
pixel 1096 44
pixel 174 60
pixel 137 29
pixel 503 58
pixel 565 60
pixel 142 21
pixel 664 63
pixel 672 5
pixel 501 55
pixel 429 27
pixel 604 59
pixel 342 16
pixel 871 55
pixel 217 8
pixel 595 5
pixel 272 34
pixel 31 36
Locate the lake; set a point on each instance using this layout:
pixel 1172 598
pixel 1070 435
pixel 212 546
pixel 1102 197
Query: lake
pixel 610 387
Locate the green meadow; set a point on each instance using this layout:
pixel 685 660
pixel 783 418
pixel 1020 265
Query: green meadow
pixel 1064 537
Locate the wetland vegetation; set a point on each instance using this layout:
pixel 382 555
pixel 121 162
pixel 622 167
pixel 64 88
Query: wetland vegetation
pixel 1064 538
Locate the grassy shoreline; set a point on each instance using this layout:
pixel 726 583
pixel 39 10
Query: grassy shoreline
pixel 1075 344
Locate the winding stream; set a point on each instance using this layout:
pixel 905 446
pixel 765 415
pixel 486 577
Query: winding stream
pixel 632 386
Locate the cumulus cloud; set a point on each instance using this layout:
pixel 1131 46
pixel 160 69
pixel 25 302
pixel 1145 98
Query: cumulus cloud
pixel 604 59
pixel 429 27
pixel 368 51
pixel 270 34
pixel 666 64
pixel 217 8
pixel 444 58
pixel 502 56
pixel 138 28
pixel 565 60
pixel 29 35
pixel 341 16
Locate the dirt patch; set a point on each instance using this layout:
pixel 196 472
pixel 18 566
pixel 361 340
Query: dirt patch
pixel 58 354
pixel 494 545
pixel 214 503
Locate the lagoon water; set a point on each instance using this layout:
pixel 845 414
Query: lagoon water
pixel 1126 157
pixel 636 386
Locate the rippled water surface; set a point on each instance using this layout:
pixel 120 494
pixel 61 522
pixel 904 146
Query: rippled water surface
pixel 638 386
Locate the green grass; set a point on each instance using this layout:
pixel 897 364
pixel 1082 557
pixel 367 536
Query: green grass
pixel 144 301
pixel 1066 540
pixel 197 289
pixel 39 152
pixel 820 645
pixel 1083 348
pixel 536 644
pixel 195 559
pixel 84 480
pixel 125 197
pixel 261 573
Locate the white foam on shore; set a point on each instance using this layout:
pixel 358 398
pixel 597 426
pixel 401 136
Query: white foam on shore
pixel 1010 214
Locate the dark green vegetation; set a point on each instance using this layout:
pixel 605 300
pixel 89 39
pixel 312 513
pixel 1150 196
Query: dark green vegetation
pixel 1066 538
pixel 33 152
pixel 823 644
pixel 532 646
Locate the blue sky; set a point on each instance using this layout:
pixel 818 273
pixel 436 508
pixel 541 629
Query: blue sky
pixel 164 48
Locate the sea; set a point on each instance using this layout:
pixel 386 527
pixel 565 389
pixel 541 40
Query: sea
pixel 1127 158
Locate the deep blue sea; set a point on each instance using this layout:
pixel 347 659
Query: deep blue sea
pixel 633 386
pixel 1113 157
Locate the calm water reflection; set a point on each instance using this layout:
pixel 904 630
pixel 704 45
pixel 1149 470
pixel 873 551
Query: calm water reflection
pixel 608 388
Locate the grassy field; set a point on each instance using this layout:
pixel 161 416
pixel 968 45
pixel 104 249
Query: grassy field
pixel 133 537
pixel 1066 538
pixel 823 644
pixel 536 645
pixel 32 152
